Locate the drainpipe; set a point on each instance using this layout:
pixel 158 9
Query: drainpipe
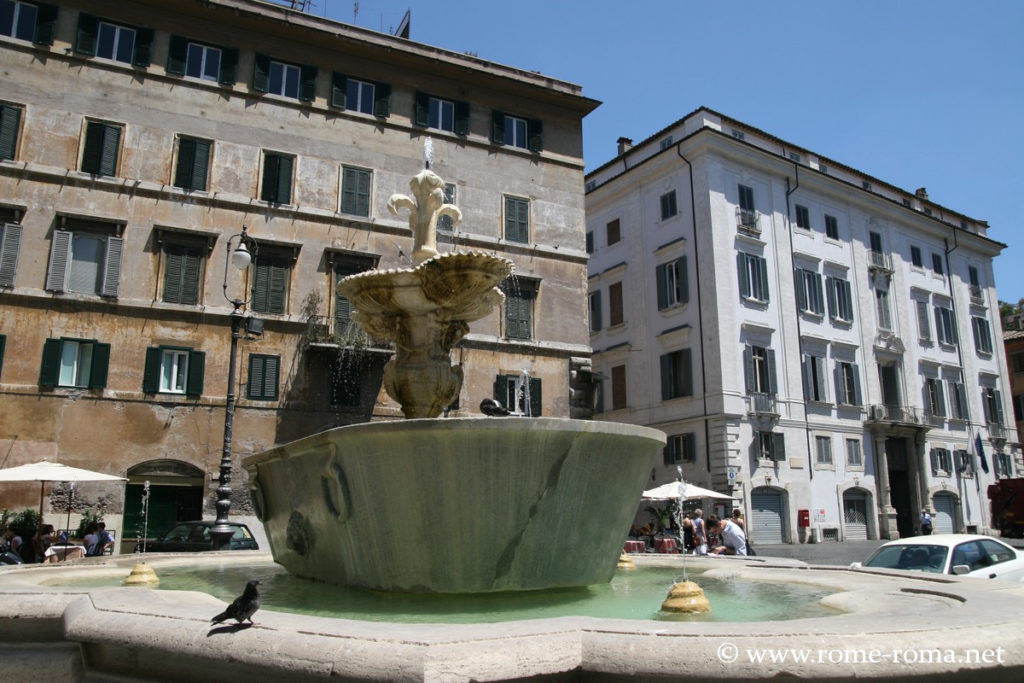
pixel 700 312
pixel 807 424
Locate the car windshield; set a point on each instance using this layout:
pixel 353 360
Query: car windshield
pixel 928 558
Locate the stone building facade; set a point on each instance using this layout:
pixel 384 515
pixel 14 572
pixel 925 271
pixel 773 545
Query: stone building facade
pixel 138 139
pixel 813 340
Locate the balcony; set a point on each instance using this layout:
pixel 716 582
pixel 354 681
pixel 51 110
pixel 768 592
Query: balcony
pixel 319 334
pixel 977 294
pixel 894 413
pixel 998 434
pixel 746 221
pixel 880 261
pixel 762 404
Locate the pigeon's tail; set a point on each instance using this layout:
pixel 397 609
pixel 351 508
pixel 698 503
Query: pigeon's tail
pixel 220 617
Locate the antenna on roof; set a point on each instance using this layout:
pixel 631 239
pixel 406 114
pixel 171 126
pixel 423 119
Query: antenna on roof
pixel 355 12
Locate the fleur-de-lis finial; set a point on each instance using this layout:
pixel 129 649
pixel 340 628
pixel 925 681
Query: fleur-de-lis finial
pixel 424 210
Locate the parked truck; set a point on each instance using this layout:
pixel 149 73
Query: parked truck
pixel 1007 499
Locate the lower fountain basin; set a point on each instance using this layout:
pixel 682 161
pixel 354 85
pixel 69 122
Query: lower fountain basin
pixel 465 505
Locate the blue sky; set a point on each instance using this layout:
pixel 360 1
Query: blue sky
pixel 918 93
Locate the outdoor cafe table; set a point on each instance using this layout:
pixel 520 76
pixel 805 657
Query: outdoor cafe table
pixel 666 545
pixel 58 553
pixel 634 547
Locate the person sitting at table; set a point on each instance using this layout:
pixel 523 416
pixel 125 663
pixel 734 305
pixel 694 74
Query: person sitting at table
pixel 733 538
pixel 42 540
pixel 98 540
pixel 13 542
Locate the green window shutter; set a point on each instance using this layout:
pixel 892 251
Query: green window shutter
pixel 85 38
pixel 186 162
pixel 382 100
pixel 228 66
pixel 196 370
pixel 60 260
pixel 278 288
pixel 363 190
pixel 682 280
pixel 3 345
pixel 837 378
pixel 498 127
pixel 741 267
pixel 264 374
pixel 800 276
pixel 200 164
pixel 10 118
pixel 686 384
pixel 271 171
pixel 501 390
pixel 770 358
pixel 461 118
pixel 100 363
pixel 177 55
pixel 151 371
pixel 92 151
pixel 284 180
pixel 535 135
pixel 260 286
pixel 174 267
pixel 108 155
pixel 748 368
pixel 666 376
pixel 46 21
pixel 142 54
pixel 190 277
pixel 662 286
pixel 261 73
pixel 339 90
pixel 307 83
pixel 112 266
pixel 270 285
pixel 535 402
pixel 49 373
pixel 764 277
pixel 254 387
pixel 10 246
pixel 778 446
pixel 421 109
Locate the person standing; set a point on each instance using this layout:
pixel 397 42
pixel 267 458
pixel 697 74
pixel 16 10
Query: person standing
pixel 700 535
pixel 926 523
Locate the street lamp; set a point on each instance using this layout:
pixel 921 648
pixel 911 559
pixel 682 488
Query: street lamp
pixel 241 256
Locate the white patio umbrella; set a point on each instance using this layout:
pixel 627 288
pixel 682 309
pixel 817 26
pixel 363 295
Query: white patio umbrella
pixel 672 491
pixel 52 471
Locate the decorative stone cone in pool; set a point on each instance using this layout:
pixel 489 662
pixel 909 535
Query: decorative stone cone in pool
pixel 459 505
pixel 686 596
pixel 142 575
pixel 625 562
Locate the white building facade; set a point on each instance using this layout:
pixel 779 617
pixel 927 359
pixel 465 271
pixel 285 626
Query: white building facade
pixel 813 340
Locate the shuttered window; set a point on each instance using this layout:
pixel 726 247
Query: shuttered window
pixel 264 373
pixel 182 274
pixel 271 274
pixel 366 97
pixel 84 262
pixel 277 178
pixel 671 282
pixel 101 38
pixel 595 311
pixel 174 370
pixel 519 397
pixel 619 387
pixel 848 384
pixel 814 377
pixel 78 363
pixel 28 21
pixel 10 246
pixel 676 374
pixel 840 299
pixel 753 273
pixel 193 164
pixel 680 448
pixel 10 118
pixel 517 131
pixel 355 190
pixel 100 152
pixel 288 80
pixel 616 314
pixel 345 266
pixel 200 60
pixel 517 219
pixel 520 294
pixel 441 114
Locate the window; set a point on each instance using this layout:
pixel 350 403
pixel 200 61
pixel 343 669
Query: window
pixel 992 402
pixel 865 185
pixel 964 462
pixel 614 231
pixel 517 219
pixel 279 78
pixel 595 311
pixel 848 384
pixel 590 241
pixel 944 326
pixel 27 21
pixel 174 370
pixel 183 268
pixel 813 368
pixel 84 261
pixel 10 245
pixel 193 164
pixel 771 446
pixel 78 363
pixel 277 178
pixel 972 276
pixel 831 227
pixel 345 265
pixel 10 118
pixel 942 461
pixel 915 257
pixel 271 273
pixel 937 264
pixel 198 60
pixel 935 401
pixel 618 387
pixel 1017 362
pixel 668 205
pixel 1003 464
pixel 665 143
pixel 957 400
pixel 809 296
pixel 520 294
pixel 101 38
pixel 876 242
pixel 445 223
pixel 263 377
pixel 840 299
pixel 737 134
pixel 365 97
pixel 615 308
pixel 1018 407
pixel 746 198
pixel 676 374
pixel 982 335
pixel 680 448
pixel 441 114
pixel 882 308
pixel 753 272
pixel 854 456
pixel 793 156
pixel 521 398
pixel 759 370
pixel 671 280
pixel 823 450
pixel 803 217
pixel 516 131
pixel 355 191
pixel 924 328
pixel 100 151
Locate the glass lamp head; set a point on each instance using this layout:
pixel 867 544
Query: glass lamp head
pixel 240 257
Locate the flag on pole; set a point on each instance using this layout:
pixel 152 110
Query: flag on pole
pixel 981 452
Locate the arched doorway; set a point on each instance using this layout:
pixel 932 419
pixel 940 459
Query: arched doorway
pixel 767 516
pixel 945 513
pixel 855 515
pixel 176 491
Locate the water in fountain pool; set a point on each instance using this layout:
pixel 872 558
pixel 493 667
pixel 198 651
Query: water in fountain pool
pixel 634 594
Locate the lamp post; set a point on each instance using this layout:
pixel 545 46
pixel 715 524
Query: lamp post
pixel 241 257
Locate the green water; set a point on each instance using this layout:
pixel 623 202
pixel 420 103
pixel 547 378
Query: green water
pixel 634 594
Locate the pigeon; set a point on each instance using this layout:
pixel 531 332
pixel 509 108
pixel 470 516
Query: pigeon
pixel 492 408
pixel 243 607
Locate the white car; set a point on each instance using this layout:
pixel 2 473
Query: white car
pixel 962 554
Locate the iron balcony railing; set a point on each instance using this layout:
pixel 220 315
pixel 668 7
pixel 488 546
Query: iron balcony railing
pixel 895 413
pixel 997 432
pixel 746 220
pixel 880 260
pixel 977 294
pixel 762 404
